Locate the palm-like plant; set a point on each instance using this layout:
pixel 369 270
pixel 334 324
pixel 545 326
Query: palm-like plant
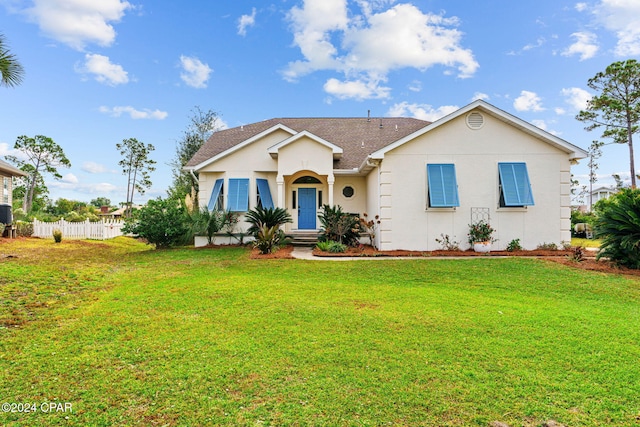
pixel 618 225
pixel 207 222
pixel 270 217
pixel 339 226
pixel 11 71
pixel 265 227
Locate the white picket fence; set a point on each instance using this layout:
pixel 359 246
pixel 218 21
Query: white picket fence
pixel 102 230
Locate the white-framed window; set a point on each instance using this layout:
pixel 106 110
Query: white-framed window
pixel 238 195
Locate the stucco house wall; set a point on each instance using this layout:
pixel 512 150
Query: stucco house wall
pixel 385 165
pixel 410 224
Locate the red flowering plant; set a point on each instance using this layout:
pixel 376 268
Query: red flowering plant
pixel 481 231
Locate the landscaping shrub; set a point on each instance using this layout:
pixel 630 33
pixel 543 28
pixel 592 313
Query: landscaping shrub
pixel 265 227
pixel 618 225
pixel 339 226
pixel 24 229
pixel 447 244
pixel 370 226
pixel 331 246
pixel 514 245
pixel 161 222
pixel 481 231
pixel 547 247
pixel 206 222
pixel 57 236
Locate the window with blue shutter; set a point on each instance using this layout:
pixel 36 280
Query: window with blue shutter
pixel 216 201
pixel 264 194
pixel 443 187
pixel 515 188
pixel 238 195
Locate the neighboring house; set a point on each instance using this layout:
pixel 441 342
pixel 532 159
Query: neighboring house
pixel 602 193
pixel 423 179
pixel 7 172
pixel 116 214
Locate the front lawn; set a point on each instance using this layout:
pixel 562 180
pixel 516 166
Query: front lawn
pixel 187 337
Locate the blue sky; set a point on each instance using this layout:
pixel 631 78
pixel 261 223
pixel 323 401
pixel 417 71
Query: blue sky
pixel 98 72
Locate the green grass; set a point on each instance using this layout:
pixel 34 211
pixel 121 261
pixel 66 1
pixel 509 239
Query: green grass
pixel 587 243
pixel 131 336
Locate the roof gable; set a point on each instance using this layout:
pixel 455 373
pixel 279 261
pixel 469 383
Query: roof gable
pixel 574 151
pixel 337 151
pixel 356 137
pixel 243 144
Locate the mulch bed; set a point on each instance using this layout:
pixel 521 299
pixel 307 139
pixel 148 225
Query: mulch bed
pixel 282 253
pixel 559 256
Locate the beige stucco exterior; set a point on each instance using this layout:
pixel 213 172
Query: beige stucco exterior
pixel 407 222
pixel 392 182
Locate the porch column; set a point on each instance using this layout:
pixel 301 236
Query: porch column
pixel 330 180
pixel 280 182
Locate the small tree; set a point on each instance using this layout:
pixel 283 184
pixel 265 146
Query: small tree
pixel 617 106
pixel 617 223
pixel 160 222
pixel 43 155
pixel 595 152
pixel 137 166
pixel 202 125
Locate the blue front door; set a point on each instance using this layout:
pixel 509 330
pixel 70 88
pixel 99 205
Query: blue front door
pixel 307 208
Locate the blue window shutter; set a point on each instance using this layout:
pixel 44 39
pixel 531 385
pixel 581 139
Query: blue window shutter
pixel 443 187
pixel 516 188
pixel 215 194
pixel 238 194
pixel 264 193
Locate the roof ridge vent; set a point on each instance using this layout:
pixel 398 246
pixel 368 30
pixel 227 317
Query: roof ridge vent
pixel 475 120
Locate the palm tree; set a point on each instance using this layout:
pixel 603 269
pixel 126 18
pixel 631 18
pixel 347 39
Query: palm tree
pixel 11 71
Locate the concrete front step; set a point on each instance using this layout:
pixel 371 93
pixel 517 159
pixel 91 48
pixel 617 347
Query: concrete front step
pixel 303 238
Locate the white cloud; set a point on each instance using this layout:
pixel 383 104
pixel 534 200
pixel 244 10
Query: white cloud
pixel 356 89
pixel 585 45
pixel 78 22
pixel 576 97
pixel 540 124
pixel 104 70
pixel 69 179
pixel 623 18
pixel 133 113
pixel 479 95
pixel 528 101
pixel 194 72
pixel 5 150
pixel 93 167
pixel 421 111
pixel 101 188
pixel 581 7
pixel 374 43
pixel 246 21
pixel 415 86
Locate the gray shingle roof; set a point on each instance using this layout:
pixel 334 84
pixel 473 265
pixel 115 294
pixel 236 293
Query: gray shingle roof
pixel 358 137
